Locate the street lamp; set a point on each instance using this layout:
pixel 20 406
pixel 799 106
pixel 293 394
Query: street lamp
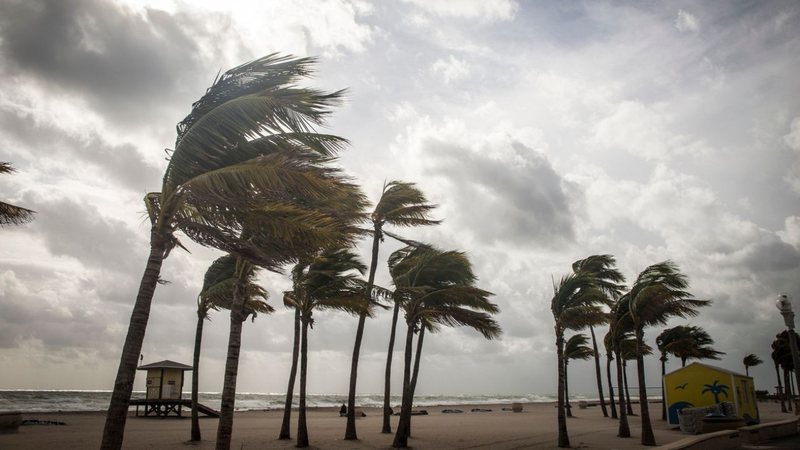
pixel 784 305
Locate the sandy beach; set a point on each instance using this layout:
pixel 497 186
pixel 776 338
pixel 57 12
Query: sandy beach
pixel 498 429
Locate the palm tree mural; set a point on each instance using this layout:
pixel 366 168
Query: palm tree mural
pixel 716 389
pixel 217 294
pixel 749 361
pixel 10 214
pixel 251 134
pixel 401 205
pixel 436 288
pixel 328 281
pixel 657 295
pixel 609 280
pixel 575 304
pixel 575 348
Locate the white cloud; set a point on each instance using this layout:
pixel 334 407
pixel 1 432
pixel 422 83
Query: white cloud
pixel 686 22
pixel 451 69
pixel 469 9
pixel 792 139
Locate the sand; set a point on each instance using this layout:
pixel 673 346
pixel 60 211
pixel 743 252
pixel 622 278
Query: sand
pixel 533 428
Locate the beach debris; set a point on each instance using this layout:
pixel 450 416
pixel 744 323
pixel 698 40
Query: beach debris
pixel 480 410
pixel 41 422
pixel 421 412
pixel 452 411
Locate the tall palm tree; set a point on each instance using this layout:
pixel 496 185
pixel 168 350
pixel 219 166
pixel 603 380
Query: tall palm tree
pixel 10 214
pixel 220 158
pixel 620 326
pixel 609 280
pixel 609 359
pixel 685 342
pixel 749 361
pixel 400 204
pixel 216 293
pixel 781 394
pixel 575 348
pixel 628 353
pixel 657 295
pixel 437 289
pixel 327 281
pixel 576 300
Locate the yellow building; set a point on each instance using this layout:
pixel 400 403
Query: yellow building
pixel 699 385
pixel 164 380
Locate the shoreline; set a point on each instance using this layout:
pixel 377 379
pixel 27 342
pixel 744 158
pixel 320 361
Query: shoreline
pixel 535 427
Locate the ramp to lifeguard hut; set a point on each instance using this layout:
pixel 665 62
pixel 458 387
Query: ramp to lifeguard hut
pixel 164 408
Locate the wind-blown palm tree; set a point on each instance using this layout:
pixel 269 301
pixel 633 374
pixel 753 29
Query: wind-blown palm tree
pixel 237 139
pixel 400 204
pixel 609 359
pixel 575 348
pixel 327 281
pixel 781 394
pixel 436 288
pixel 628 353
pixel 609 280
pixel 285 432
pixel 749 361
pixel 576 300
pixel 657 295
pixel 782 356
pixel 10 214
pixel 217 293
pixel 685 342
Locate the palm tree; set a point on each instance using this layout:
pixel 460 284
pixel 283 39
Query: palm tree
pixel 237 139
pixel 10 214
pixel 327 281
pixel 628 353
pixel 749 361
pixel 657 295
pixel 576 300
pixel 620 326
pixel 685 342
pixel 217 292
pixel 400 204
pixel 781 394
pixel 575 348
pixel 782 356
pixel 436 288
pixel 609 358
pixel 608 279
pixel 285 432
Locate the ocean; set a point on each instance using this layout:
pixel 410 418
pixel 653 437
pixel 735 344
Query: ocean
pixel 65 400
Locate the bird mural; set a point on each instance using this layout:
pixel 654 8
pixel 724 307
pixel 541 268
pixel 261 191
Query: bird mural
pixel 682 386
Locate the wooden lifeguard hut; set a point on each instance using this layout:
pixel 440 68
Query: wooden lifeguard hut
pixel 164 395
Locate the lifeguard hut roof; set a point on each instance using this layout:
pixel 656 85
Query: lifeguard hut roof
pixel 165 364
pixel 728 371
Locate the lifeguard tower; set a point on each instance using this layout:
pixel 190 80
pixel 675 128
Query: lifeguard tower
pixel 164 395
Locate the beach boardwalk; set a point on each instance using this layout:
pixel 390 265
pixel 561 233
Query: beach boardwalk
pixel 165 390
pixel 700 385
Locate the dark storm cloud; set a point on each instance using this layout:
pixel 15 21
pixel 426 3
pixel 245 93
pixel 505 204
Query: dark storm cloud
pixel 520 200
pixel 124 63
pixel 78 230
pixel 121 164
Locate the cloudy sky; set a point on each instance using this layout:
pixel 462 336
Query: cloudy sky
pixel 545 132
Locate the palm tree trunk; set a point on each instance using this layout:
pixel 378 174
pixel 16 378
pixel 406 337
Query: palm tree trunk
pixel 610 387
pixel 663 393
pixel 563 436
pixel 302 428
pixel 780 388
pixel 598 374
pixel 415 373
pixel 225 425
pixel 387 409
pixel 114 429
pixel 198 338
pixel 648 438
pixel 628 404
pixel 624 429
pixel 400 437
pixel 566 388
pixel 287 408
pixel 747 370
pixel 350 428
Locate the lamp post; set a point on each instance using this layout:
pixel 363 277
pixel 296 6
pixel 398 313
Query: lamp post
pixel 784 305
